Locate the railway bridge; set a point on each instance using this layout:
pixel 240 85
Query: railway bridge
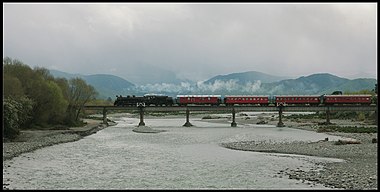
pixel 233 110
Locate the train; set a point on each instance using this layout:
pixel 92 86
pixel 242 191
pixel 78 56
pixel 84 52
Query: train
pixel 242 100
pixel 146 100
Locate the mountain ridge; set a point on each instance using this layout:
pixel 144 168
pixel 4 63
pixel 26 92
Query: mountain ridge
pixel 107 85
pixel 235 83
pixel 247 76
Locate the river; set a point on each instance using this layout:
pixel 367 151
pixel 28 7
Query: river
pixel 179 158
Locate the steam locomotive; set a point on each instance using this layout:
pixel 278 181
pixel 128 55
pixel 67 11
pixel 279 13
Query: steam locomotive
pixel 254 100
pixel 146 100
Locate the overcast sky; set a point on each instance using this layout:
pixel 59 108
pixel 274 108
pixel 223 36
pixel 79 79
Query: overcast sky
pixel 196 41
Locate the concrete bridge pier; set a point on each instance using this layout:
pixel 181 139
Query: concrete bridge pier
pixel 233 124
pixel 280 123
pixel 105 116
pixel 328 116
pixel 187 124
pixel 141 109
pixel 376 120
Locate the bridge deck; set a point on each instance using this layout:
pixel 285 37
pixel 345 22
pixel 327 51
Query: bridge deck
pixel 239 108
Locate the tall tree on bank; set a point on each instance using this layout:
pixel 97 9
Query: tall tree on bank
pixel 79 94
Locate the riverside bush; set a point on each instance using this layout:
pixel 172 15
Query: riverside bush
pixel 16 113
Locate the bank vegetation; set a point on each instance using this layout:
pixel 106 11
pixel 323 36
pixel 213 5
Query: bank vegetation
pixel 34 99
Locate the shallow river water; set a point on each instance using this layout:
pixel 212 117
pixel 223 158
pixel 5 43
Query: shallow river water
pixel 179 158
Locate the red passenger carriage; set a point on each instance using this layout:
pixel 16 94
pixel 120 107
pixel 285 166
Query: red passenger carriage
pixel 199 99
pixel 298 100
pixel 347 99
pixel 246 99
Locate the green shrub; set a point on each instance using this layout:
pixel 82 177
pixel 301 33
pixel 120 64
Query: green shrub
pixel 16 113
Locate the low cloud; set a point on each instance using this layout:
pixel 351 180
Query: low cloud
pixel 197 41
pixel 203 88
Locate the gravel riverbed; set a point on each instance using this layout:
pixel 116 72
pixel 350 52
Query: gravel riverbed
pixel 29 141
pixel 358 171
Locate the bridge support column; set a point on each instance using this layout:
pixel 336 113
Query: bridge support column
pixel 328 116
pixel 376 118
pixel 187 124
pixel 280 123
pixel 233 124
pixel 105 116
pixel 141 108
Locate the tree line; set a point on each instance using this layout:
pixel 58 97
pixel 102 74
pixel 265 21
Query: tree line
pixel 34 99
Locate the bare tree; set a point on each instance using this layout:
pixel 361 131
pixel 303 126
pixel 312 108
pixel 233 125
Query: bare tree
pixel 79 94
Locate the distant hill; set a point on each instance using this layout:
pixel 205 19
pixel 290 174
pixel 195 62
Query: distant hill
pixel 312 84
pixel 236 83
pixel 322 83
pixel 106 85
pixel 245 77
pixel 109 85
pixel 259 83
pixel 62 74
pixel 357 85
